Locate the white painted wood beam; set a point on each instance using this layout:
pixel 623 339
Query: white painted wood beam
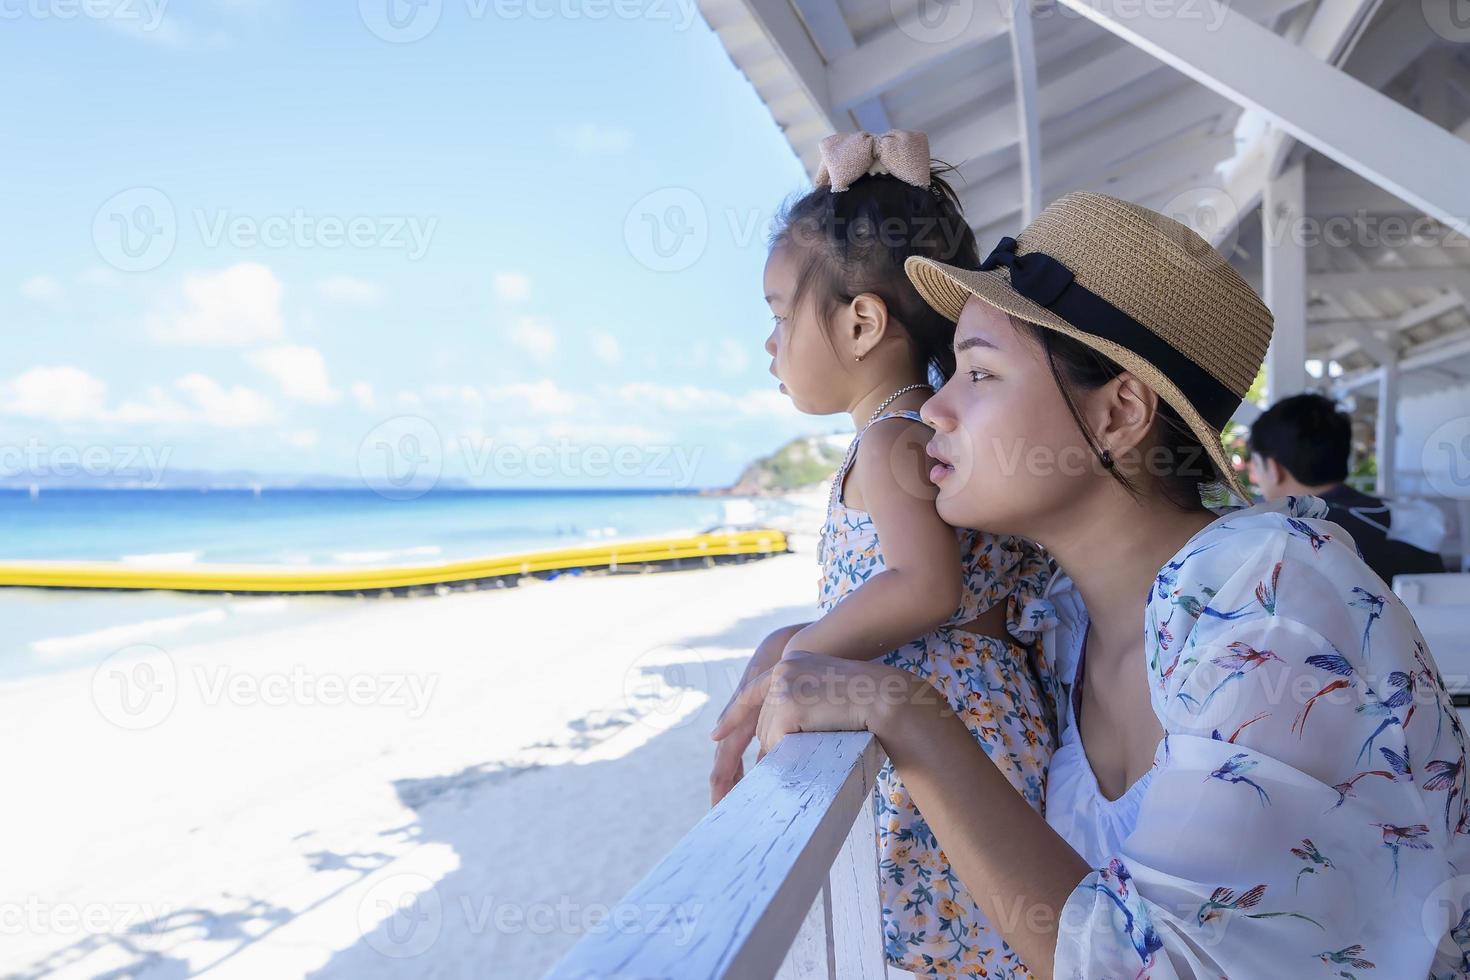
pixel 1369 279
pixel 828 27
pixel 1326 109
pixel 1284 266
pixel 911 45
pixel 1028 109
pixel 1386 426
pixel 784 30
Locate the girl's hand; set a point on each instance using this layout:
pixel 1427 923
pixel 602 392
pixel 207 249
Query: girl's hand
pixel 736 726
pixel 733 733
pixel 810 692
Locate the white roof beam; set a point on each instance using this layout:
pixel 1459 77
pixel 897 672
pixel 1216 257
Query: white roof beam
pixel 1398 38
pixel 784 30
pixel 1284 274
pixel 1418 358
pixel 829 29
pixel 1028 115
pixel 1070 165
pixel 904 50
pixel 1448 277
pixel 1421 314
pixel 995 129
pixel 1307 98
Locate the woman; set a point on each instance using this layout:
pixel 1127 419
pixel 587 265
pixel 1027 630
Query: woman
pixel 1273 774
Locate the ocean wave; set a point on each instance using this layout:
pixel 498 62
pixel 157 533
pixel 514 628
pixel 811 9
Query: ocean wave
pixel 386 555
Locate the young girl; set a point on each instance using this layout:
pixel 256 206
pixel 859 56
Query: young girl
pixel 952 607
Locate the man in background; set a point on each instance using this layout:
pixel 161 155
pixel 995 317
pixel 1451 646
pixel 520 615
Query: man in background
pixel 1300 446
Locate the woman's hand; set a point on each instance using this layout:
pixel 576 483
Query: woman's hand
pixel 810 692
pixel 736 726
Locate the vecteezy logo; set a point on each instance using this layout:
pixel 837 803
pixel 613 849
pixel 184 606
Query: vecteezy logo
pixel 135 230
pixel 1210 213
pixel 400 21
pixel 401 915
pixel 402 458
pixel 1450 19
pixel 659 682
pixel 135 687
pixel 934 21
pixel 667 230
pixel 1446 458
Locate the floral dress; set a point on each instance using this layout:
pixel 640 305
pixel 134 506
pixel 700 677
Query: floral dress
pixel 1306 812
pixel 931 925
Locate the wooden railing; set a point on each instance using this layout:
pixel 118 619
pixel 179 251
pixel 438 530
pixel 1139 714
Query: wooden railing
pixel 779 880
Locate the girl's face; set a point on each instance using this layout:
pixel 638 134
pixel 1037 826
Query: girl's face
pixel 802 358
pixel 1014 452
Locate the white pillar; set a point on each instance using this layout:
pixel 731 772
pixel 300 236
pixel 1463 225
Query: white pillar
pixel 1284 265
pixel 1387 431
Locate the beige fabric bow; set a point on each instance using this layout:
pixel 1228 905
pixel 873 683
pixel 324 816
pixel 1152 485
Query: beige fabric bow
pixel 904 153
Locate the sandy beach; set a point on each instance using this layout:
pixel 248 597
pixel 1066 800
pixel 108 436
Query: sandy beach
pixel 447 786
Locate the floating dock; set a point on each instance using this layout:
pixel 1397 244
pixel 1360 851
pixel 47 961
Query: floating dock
pixel 707 548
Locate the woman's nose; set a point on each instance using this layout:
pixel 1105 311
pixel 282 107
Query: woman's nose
pixel 771 343
pixel 935 414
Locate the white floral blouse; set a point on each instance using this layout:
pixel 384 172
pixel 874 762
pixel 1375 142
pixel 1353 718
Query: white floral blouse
pixel 1306 813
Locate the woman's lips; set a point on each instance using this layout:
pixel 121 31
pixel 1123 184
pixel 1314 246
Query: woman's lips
pixel 942 468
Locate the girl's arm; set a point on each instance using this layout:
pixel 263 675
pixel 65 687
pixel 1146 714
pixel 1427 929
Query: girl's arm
pixel 921 585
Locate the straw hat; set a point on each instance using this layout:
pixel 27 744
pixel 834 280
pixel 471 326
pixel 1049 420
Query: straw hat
pixel 1138 287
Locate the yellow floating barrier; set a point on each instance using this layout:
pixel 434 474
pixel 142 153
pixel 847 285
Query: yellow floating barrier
pixel 260 578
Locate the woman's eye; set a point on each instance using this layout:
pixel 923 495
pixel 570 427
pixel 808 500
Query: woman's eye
pixel 776 318
pixel 976 375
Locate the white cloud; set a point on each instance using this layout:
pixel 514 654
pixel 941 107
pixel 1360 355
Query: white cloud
pixel 236 306
pixel 694 400
pixel 594 139
pixel 605 348
pixel 539 397
pixel 534 337
pixel 70 394
pixel 512 287
pixel 301 373
pixel 41 289
pixel 362 393
pixel 301 438
pixel 62 394
pixel 351 291
pixel 227 408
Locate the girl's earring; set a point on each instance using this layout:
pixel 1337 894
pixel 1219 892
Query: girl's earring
pixel 1107 459
pixel 857 357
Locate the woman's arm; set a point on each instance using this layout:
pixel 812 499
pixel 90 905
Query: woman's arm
pixel 922 582
pixel 1302 811
pixel 1018 869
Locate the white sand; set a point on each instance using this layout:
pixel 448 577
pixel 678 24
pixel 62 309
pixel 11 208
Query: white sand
pixel 435 787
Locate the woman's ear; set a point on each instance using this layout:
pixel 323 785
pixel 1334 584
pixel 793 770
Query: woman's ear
pixel 868 316
pixel 1126 410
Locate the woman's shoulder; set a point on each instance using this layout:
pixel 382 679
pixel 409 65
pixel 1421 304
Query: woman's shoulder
pixel 1283 560
pixel 1275 588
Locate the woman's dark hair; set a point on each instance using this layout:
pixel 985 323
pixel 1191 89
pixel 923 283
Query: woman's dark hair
pixel 855 241
pixel 1177 459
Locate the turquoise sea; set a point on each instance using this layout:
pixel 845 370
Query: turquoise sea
pixel 50 630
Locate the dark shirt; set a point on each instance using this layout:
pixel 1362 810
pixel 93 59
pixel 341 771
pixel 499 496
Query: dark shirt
pixel 1367 519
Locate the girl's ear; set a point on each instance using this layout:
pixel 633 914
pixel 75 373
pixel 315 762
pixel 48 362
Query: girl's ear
pixel 1125 412
pixel 869 322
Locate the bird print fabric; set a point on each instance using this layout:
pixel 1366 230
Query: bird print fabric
pixel 1306 813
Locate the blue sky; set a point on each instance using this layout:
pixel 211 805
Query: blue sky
pixel 274 236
